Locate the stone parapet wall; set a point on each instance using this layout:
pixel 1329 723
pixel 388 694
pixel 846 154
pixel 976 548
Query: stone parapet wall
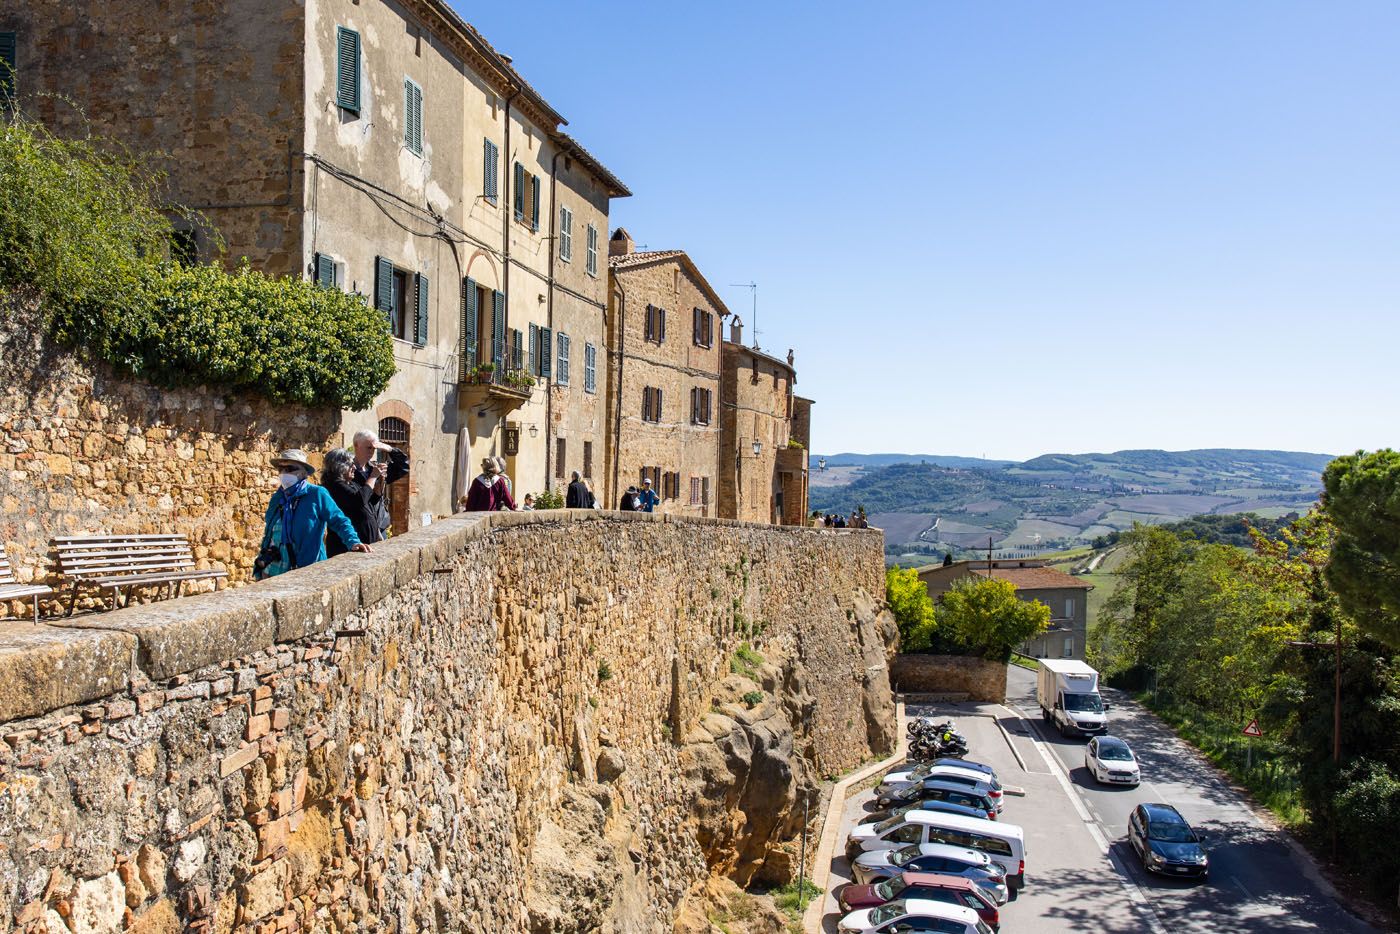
pixel 83 450
pixel 545 721
pixel 978 678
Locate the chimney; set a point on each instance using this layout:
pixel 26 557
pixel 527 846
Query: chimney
pixel 736 330
pixel 621 243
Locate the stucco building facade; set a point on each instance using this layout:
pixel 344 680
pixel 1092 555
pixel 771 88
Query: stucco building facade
pixel 663 347
pixel 763 460
pixel 384 148
pixel 1065 595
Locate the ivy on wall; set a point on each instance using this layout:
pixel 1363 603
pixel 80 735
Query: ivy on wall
pixel 82 222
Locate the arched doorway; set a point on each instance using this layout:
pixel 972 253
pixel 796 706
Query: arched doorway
pixel 395 431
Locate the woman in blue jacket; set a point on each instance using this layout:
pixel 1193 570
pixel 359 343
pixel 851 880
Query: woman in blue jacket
pixel 297 519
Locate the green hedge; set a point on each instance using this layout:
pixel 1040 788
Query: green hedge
pixel 83 223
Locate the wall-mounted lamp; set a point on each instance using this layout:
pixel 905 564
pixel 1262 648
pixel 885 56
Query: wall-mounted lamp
pixel 534 431
pixel 757 448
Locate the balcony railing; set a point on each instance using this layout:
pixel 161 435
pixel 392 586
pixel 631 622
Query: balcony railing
pixel 501 383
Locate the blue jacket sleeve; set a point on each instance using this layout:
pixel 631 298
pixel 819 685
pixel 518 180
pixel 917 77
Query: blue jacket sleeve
pixel 337 521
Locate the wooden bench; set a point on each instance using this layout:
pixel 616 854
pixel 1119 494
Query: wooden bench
pixel 11 589
pixel 120 562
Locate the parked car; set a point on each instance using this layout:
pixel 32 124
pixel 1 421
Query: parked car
pixel 892 917
pixel 1109 760
pixel 977 782
pixel 933 804
pixel 1166 843
pixel 933 790
pixel 955 890
pixel 962 764
pixel 946 860
pixel 1004 843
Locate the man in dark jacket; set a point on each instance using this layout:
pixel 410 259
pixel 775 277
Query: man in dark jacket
pixel 366 444
pixel 578 496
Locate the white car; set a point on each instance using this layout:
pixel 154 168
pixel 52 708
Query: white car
pixel 904 779
pixel 876 865
pixel 1111 762
pixel 901 915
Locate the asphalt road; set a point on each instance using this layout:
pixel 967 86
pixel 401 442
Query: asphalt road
pixel 1081 875
pixel 1260 880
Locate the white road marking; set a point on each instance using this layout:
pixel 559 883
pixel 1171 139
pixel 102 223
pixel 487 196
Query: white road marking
pixel 1240 886
pixel 1133 890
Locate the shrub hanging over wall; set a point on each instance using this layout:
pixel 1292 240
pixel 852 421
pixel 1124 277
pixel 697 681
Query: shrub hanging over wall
pixel 82 223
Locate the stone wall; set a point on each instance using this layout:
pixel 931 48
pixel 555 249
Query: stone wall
pixel 557 721
pixel 84 450
pixel 949 674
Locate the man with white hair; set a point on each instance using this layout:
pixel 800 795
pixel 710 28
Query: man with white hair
pixel 366 444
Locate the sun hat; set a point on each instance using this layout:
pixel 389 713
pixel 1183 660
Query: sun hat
pixel 294 456
pixel 646 481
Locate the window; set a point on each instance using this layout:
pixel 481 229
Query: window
pixel 655 324
pixel 566 234
pixel 704 491
pixel 413 116
pixel 561 361
pixel 671 485
pixel 326 271
pixel 9 68
pixel 700 401
pixel 490 171
pixel 908 833
pixel 590 368
pixel 703 323
pixel 347 69
pixel 651 404
pixel 403 297
pixel 535 202
pixel 541 339
pixel 588 458
pixel 1069 647
pixel 695 491
pixel 528 196
pixel 517 349
pixel 559 449
pixel 591 263
pixel 1069 608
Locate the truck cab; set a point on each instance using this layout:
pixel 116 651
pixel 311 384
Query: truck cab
pixel 1068 694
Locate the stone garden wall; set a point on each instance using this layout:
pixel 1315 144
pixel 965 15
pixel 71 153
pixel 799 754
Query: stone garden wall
pixel 978 678
pixel 559 721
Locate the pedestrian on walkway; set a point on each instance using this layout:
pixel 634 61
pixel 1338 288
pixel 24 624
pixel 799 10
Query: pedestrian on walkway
pixel 592 499
pixel 391 468
pixel 359 501
pixel 647 499
pixel 629 500
pixel 297 518
pixel 490 491
pixel 528 504
pixel 578 495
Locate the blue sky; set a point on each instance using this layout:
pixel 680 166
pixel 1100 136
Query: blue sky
pixel 1012 228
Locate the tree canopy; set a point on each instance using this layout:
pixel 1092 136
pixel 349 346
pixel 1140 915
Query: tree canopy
pixel 1361 493
pixel 912 608
pixel 985 615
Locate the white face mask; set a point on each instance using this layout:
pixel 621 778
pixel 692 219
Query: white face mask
pixel 288 479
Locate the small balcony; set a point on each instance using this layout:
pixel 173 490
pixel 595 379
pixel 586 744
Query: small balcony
pixel 503 388
pixel 792 460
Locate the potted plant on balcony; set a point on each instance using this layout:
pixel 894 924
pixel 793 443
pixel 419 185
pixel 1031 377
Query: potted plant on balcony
pixel 519 379
pixel 481 374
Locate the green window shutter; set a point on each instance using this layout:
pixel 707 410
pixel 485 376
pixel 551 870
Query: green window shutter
pixel 519 192
pixel 347 69
pixel 413 116
pixel 469 312
pixel 517 353
pixel 489 187
pixel 534 350
pixel 420 320
pixel 325 270
pixel 546 349
pixel 561 365
pixel 384 287
pixel 9 68
pixel 535 203
pixel 498 330
pixel 590 368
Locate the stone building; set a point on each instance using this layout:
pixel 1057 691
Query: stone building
pixel 764 434
pixel 663 386
pixel 1066 596
pixel 382 148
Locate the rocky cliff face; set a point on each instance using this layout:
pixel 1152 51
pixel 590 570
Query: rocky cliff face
pixel 536 722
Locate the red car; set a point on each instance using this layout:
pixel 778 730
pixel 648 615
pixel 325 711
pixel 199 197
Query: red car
pixel 955 890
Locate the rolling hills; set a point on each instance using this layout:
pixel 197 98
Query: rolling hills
pixel 928 505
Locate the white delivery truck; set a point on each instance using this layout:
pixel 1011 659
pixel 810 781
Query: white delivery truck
pixel 1068 693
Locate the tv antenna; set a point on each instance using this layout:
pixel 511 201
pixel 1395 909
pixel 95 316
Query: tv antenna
pixel 753 292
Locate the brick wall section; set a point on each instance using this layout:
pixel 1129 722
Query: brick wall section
pixel 980 679
pixel 216 87
pixel 83 450
pixel 378 742
pixel 757 392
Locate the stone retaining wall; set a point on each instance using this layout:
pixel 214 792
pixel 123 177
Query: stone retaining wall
pixel 535 721
pixel 85 450
pixel 980 679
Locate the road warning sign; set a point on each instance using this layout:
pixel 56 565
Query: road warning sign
pixel 1252 729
